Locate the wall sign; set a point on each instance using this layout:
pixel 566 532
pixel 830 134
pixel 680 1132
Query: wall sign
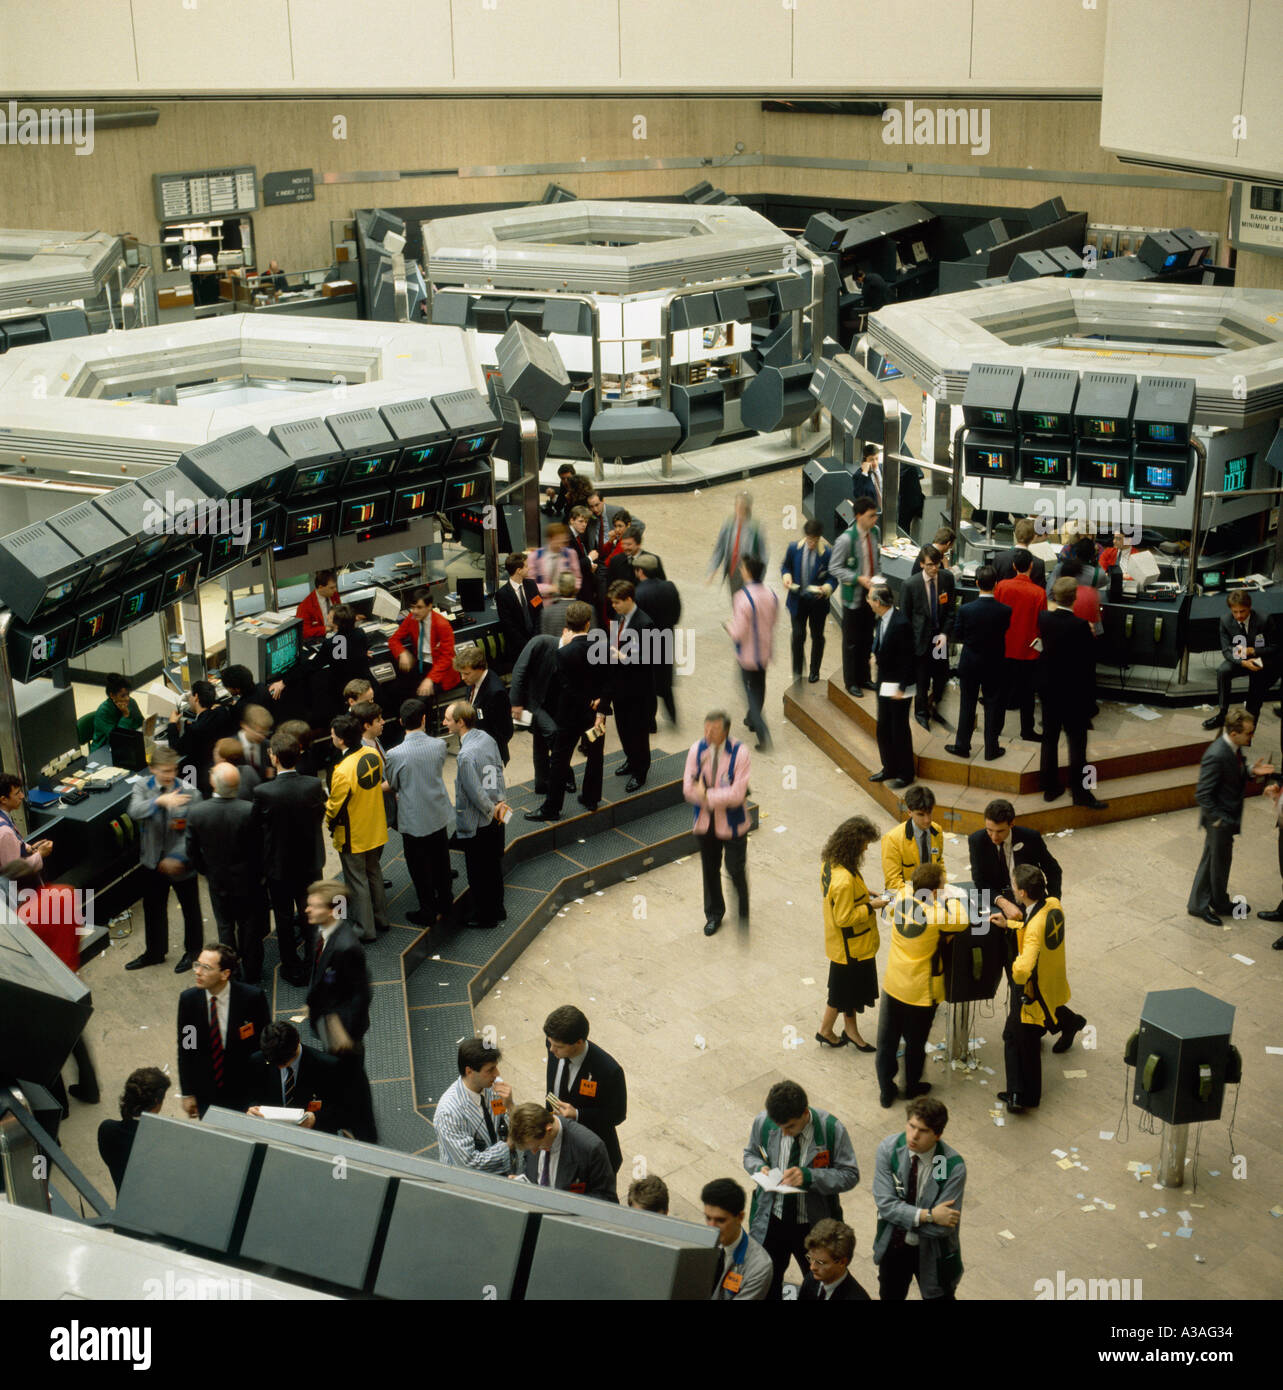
pixel 1256 218
pixel 205 194
pixel 288 186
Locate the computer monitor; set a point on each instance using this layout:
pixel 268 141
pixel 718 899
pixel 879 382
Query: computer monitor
pixel 301 525
pixel 471 446
pixel 417 499
pixel 369 467
pixel 467 489
pixel 128 749
pixel 39 571
pixel 139 598
pixel 1160 478
pixel 316 477
pixel 364 512
pixel 242 465
pixel 33 652
pixel 92 533
pixel 420 459
pixel 281 651
pixel 1237 472
pixel 95 622
pixel 1046 463
pixel 472 420
pixel 1096 467
pixel 989 457
pixel 420 433
pixel 181 574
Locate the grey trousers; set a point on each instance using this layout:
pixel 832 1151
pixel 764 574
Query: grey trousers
pixel 1212 879
pixel 363 874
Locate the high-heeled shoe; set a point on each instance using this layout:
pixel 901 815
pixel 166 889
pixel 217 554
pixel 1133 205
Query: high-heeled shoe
pixel 820 1038
pixel 859 1046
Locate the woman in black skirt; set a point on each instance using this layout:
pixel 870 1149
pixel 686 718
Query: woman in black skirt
pixel 145 1090
pixel 850 932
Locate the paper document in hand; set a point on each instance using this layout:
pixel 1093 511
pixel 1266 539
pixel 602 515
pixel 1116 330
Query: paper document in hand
pixel 770 1181
pixel 524 719
pixel 288 1113
pixel 889 690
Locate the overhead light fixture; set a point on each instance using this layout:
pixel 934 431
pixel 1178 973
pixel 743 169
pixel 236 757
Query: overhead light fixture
pixel 50 486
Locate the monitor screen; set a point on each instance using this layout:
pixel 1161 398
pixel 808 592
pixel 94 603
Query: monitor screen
pixel 179 580
pixel 306 524
pixel 95 624
pixel 316 478
pixel 222 554
pixel 1100 472
pixel 61 592
pixel 1158 479
pixel 1044 466
pixel 34 653
pixel 1170 261
pixel 1236 473
pixel 100 573
pixel 139 600
pixel 281 651
pixel 888 370
pixel 1100 427
pixel 988 460
pixel 419 500
pixel 423 458
pixel 995 417
pixel 466 490
pixel 369 467
pixel 1045 424
pixel 469 446
pixel 262 529
pixel 361 513
pixel 149 549
pixel 1161 434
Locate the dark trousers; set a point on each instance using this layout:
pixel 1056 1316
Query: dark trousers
pixel 711 851
pixel 899 1268
pixel 1020 692
pixel 664 688
pixel 895 743
pixel 897 1020
pixel 357 1108
pixel 632 722
pixel 1022 1053
pixel 156 888
pixel 483 853
pixel 755 693
pixel 1211 888
pixel 857 643
pixel 427 857
pixel 289 907
pixel 1258 682
pixel 991 688
pixel 543 733
pixel 932 677
pixel 811 614
pixel 563 748
pixel 1056 717
pixel 784 1241
pixel 242 923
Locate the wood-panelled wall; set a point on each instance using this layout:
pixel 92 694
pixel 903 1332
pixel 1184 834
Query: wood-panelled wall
pixel 112 188
pixel 1256 271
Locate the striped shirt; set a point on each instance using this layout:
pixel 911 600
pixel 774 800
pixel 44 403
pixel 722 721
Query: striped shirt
pixel 463 1141
pixel 413 770
pixel 752 626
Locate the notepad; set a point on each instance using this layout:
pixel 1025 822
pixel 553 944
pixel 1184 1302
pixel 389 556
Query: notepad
pixel 288 1114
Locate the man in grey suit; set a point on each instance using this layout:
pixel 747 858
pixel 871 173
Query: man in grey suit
pixel 561 1154
pixel 481 811
pixel 1222 779
pixel 553 617
pixel 413 771
pixel 918 1182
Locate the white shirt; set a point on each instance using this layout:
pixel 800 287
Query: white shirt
pixel 576 1065
pixel 548 1159
pixel 786 1147
pixel 924 1170
pixel 1010 858
pixel 327 932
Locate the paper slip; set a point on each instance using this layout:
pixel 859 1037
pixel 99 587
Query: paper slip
pixel 1000 1121
pixel 889 690
pixel 524 719
pixel 1276 1211
pixel 1151 1247
pixel 1187 1232
pixel 780 829
pixel 1274 1051
pixel 287 1113
pixel 1144 1216
pixel 1142 712
pixel 770 1181
pixel 1074 1075
pixel 1106 1134
pixel 1059 1153
pixel 808 979
pixel 1006 1235
pixel 1089 1207
pixel 1065 1163
pixel 1185 1217
pixel 298 1018
pixel 1247 960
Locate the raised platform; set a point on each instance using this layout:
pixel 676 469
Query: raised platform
pixel 427 982
pixel 1143 766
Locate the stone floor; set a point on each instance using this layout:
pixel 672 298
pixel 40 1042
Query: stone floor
pixel 704 1027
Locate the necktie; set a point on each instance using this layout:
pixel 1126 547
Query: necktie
pixel 215 1044
pixel 910 1196
pixel 563 1092
pixel 485 1114
pixel 425 644
pixel 931 603
pixel 877 486
pixel 723 1254
pixel 877 637
pixel 924 848
pixel 808 567
pixel 287 1085
pixel 868 551
pixel 545 1162
pixel 796 1211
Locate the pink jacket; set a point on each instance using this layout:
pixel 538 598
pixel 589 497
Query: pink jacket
pixel 752 626
pixel 726 797
pixel 11 846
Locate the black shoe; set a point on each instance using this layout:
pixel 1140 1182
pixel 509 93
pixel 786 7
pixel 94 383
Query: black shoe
pixel 1066 1039
pixel 711 926
pixel 139 962
pixel 811 680
pixel 1215 721
pixel 993 757
pixel 937 718
pixel 1091 803
pixel 1208 916
pixel 1278 710
pixel 1034 736
pixel 1278 945
pixel 860 1047
pixel 480 926
pixel 856 690
pixel 1053 796
pixel 1275 916
pixel 1011 1102
pixel 624 771
pixel 888 1098
pixel 923 722
pixel 956 751
pixel 923 1088
pixel 900 783
pixel 634 784
pixel 539 815
pixel 418 918
pixel 743 912
pixel 387 883
pixel 85 1094
pixel 823 1041
pixel 572 785
pixel 185 963
pixel 880 777
pixel 586 805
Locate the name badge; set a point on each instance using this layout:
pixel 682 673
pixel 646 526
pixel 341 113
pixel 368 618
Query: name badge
pixel 578 1187
pixel 497 1107
pixel 536 601
pixel 821 1159
pixel 314 1105
pixel 733 1281
pixel 247 1030
pixel 944 598
pixel 587 1088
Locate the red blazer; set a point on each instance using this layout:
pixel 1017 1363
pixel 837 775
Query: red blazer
pixel 1026 600
pixel 310 611
pixel 441 643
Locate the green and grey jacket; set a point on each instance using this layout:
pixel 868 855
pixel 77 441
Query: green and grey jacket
pixel 939 1247
pixel 827 1161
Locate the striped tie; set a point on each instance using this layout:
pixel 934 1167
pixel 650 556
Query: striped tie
pixel 215 1044
pixel 288 1078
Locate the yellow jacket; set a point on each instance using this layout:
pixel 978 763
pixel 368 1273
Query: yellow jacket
pixel 900 853
pixel 1040 965
pixel 850 926
pixel 913 972
pixel 355 812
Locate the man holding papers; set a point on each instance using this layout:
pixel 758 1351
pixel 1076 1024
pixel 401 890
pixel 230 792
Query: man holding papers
pixel 893 651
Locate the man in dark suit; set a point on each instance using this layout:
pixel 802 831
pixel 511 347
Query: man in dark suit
pixel 338 998
pixel 286 1073
pixel 808 585
pixel 487 696
pixel 1000 849
pixel 583 702
pixel 1067 687
pixel 893 648
pixel 289 812
pixel 194 744
pixel 927 601
pixel 535 689
pixel 981 627
pixel 1247 651
pixel 830 1246
pixel 219 1020
pixel 222 845
pixel 1222 781
pixel 1004 561
pixel 632 690
pixel 519 606
pixel 623 562
pixel 587 1081
pixel 580 544
pixel 659 600
pixel 561 1154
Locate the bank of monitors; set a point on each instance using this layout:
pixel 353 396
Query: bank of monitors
pixel 989 456
pixel 989 401
pixel 303 524
pixel 363 512
pixel 96 621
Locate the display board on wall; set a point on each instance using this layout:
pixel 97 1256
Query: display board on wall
pixel 288 186
pixel 1256 218
pixel 206 193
